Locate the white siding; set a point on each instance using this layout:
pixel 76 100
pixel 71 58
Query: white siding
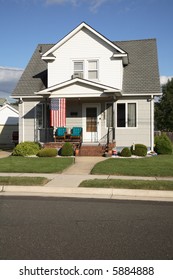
pixel 125 137
pixel 85 46
pixel 8 116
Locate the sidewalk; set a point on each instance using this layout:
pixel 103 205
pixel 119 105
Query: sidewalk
pixel 66 184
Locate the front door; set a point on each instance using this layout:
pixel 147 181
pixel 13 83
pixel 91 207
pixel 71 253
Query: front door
pixel 91 122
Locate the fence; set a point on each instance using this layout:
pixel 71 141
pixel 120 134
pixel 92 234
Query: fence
pixel 168 133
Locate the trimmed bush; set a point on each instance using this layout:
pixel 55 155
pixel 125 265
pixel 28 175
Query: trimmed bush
pixel 163 145
pixel 140 150
pixel 125 152
pixel 26 149
pixel 67 149
pixel 47 152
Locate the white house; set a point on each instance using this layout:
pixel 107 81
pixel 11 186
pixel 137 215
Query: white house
pixel 108 88
pixel 9 119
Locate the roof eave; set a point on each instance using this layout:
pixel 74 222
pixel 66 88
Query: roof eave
pixel 124 57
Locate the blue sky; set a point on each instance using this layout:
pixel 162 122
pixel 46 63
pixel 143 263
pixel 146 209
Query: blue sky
pixel 25 23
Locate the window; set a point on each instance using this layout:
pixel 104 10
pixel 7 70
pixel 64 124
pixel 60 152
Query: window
pixel 126 115
pixel 131 115
pixel 109 114
pixel 92 69
pixel 78 69
pixel 121 116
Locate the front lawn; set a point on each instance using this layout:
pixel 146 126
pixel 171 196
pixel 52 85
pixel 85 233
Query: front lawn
pixel 34 164
pixel 148 166
pixel 128 184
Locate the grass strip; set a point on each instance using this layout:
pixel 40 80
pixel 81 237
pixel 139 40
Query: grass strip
pixel 34 165
pixel 150 166
pixel 23 181
pixel 128 184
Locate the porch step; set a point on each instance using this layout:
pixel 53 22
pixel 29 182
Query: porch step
pixel 91 150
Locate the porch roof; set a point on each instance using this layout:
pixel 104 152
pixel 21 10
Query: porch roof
pixel 78 87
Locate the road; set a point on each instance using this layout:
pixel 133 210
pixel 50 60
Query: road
pixel 62 228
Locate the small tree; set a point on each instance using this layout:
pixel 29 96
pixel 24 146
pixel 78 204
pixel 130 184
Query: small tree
pixel 164 108
pixel 26 149
pixel 67 149
pixel 163 144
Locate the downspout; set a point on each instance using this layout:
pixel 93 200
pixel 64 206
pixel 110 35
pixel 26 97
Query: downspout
pixel 114 121
pixel 152 123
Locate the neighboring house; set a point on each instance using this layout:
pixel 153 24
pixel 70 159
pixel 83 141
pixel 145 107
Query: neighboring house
pixel 3 101
pixel 109 89
pixel 9 119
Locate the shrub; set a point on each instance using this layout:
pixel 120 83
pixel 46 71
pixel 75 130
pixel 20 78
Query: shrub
pixel 125 152
pixel 140 150
pixel 67 149
pixel 47 152
pixel 163 145
pixel 26 149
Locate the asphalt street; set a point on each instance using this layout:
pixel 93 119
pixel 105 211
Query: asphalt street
pixel 70 228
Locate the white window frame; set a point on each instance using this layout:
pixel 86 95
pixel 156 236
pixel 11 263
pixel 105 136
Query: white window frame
pixel 94 70
pixel 126 115
pixel 81 72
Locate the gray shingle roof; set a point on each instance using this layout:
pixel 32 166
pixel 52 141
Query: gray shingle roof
pixel 34 77
pixel 141 75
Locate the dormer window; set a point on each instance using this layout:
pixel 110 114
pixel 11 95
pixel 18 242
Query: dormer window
pixel 92 69
pixel 78 69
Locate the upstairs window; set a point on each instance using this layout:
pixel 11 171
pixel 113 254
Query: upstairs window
pixel 78 69
pixel 92 69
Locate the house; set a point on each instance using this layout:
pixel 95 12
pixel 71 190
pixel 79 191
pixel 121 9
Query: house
pixel 9 118
pixel 3 101
pixel 108 88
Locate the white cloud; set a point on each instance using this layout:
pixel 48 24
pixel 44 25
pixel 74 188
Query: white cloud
pixel 8 80
pixel 164 79
pixel 93 4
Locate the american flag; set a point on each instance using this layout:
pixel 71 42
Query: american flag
pixel 58 112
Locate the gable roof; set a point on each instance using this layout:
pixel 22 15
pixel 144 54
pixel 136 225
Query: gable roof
pixel 141 75
pixel 49 54
pixel 62 89
pixel 10 108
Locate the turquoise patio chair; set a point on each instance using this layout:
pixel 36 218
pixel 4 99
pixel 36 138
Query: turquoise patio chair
pixel 76 133
pixel 60 133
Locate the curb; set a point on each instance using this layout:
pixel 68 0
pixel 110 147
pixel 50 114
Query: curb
pixel 105 193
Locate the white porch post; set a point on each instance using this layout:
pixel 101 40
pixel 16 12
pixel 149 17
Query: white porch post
pixel 114 115
pixel 21 121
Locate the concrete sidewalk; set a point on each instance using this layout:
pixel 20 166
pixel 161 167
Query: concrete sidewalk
pixel 66 184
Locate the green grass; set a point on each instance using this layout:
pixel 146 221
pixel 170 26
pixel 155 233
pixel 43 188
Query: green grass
pixel 23 181
pixel 148 166
pixel 34 165
pixel 128 184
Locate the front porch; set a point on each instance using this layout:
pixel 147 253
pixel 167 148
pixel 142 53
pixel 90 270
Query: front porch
pixel 48 139
pixel 83 149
